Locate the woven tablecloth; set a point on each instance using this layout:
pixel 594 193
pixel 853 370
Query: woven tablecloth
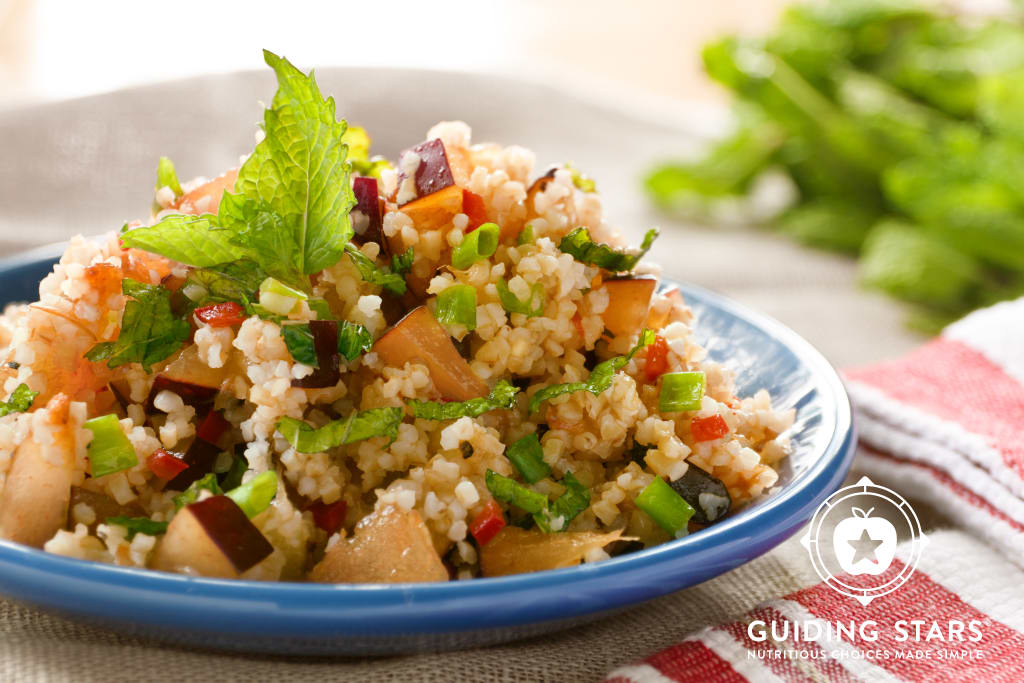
pixel 85 167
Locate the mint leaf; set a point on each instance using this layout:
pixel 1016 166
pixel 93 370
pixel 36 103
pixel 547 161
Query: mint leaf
pixel 233 281
pixel 139 525
pixel 585 250
pixel 356 427
pixel 191 494
pixel 513 304
pixel 353 341
pixel 299 171
pixel 20 401
pixel 192 240
pixel 382 277
pixel 401 264
pixel 265 236
pixel 149 331
pixel 600 377
pixel 299 340
pixel 502 396
pixel 571 503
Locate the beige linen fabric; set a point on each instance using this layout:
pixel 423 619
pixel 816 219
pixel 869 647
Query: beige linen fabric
pixel 86 166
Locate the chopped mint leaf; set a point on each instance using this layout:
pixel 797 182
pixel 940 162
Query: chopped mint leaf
pixel 353 341
pixel 581 181
pixel 191 494
pixel 20 401
pixel 356 427
pixel 232 478
pixel 600 378
pixel 502 396
pixel 582 248
pixel 571 503
pixel 166 176
pixel 383 277
pixel 401 264
pixel 299 340
pixel 192 240
pixel 149 331
pixel 531 307
pixel 321 308
pixel 233 281
pixel 300 170
pixel 139 525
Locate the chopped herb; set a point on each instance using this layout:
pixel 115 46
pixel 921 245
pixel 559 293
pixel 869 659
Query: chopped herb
pixel 401 264
pixel 109 450
pixel 526 236
pixel 384 277
pixel 527 456
pixel 478 244
pixel 139 525
pixel 149 331
pixel 582 248
pixel 510 491
pixel 513 304
pixel 20 401
pixel 681 391
pixel 232 281
pixel 457 305
pixel 571 503
pixel 581 181
pixel 299 341
pixel 356 427
pixel 502 396
pixel 191 494
pixel 166 176
pixel 321 308
pixel 232 478
pixel 353 340
pixel 600 378
pixel 548 516
pixel 255 495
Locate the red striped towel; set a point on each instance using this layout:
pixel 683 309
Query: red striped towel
pixel 943 425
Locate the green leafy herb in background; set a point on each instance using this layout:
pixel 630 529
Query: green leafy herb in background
pixel 902 129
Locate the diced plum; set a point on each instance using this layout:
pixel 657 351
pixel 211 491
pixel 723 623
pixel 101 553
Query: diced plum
pixel 325 344
pixel 628 302
pixel 367 217
pixel 388 546
pixel 200 457
pixel 212 427
pixel 435 210
pixel 35 496
pixel 517 551
pixel 212 537
pixel 474 208
pixel 329 517
pixel 433 173
pixel 165 464
pixel 419 338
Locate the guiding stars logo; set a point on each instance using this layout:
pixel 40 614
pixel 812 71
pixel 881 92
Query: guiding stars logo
pixel 852 540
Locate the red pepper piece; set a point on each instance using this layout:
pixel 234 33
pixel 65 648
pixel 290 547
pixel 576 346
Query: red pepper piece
pixel 708 428
pixel 329 517
pixel 213 427
pixel 486 525
pixel 473 207
pixel 225 314
pixel 657 359
pixel 165 464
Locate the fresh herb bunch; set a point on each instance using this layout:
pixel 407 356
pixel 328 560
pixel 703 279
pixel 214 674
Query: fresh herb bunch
pixel 902 129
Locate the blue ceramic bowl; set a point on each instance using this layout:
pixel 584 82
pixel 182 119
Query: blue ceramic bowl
pixel 314 619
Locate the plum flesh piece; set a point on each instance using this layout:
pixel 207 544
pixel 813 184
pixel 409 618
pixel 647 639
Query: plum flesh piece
pixel 434 173
pixel 368 225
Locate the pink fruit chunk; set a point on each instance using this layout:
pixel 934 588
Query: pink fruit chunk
pixel 367 220
pixel 433 172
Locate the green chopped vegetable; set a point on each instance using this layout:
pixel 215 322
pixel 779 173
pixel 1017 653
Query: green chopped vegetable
pixel 255 495
pixel 232 477
pixel 149 330
pixel 321 308
pixel 477 245
pixel 582 248
pixel 356 427
pixel 526 236
pixel 510 491
pixel 353 341
pixel 401 264
pixel 191 494
pixel 166 176
pixel 600 377
pixel 527 456
pixel 139 525
pixel 513 304
pixel 502 397
pixel 581 181
pixel 290 208
pixel 681 391
pixel 233 281
pixel 548 516
pixel 571 503
pixel 109 450
pixel 666 507
pixel 390 279
pixel 20 401
pixel 457 305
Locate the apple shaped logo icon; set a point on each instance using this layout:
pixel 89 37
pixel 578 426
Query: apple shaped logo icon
pixel 864 541
pixel 864 544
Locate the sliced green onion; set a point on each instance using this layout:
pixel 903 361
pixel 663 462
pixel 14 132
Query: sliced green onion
pixel 110 450
pixel 513 304
pixel 511 491
pixel 581 181
pixel 457 305
pixel 139 525
pixel 681 391
pixel 526 236
pixel 666 507
pixel 255 495
pixel 278 297
pixel 356 427
pixel 166 176
pixel 191 494
pixel 478 244
pixel 527 456
pixel 571 503
pixel 501 397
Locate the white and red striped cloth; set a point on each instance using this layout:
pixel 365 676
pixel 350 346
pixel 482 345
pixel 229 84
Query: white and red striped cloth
pixel 943 425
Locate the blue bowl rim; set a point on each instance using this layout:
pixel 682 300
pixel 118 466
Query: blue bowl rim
pixel 315 608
